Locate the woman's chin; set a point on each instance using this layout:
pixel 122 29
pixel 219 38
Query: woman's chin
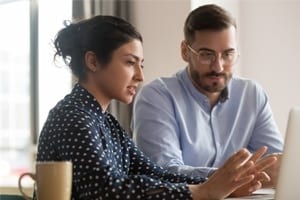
pixel 126 100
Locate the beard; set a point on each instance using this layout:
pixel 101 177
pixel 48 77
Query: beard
pixel 211 86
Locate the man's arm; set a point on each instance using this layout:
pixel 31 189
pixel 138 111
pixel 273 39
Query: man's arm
pixel 157 133
pixel 266 133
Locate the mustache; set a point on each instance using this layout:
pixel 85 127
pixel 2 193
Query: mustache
pixel 213 73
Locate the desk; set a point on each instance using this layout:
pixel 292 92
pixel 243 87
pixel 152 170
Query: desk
pixel 10 185
pixel 261 194
pixel 15 190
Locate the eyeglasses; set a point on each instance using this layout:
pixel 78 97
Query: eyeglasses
pixel 208 57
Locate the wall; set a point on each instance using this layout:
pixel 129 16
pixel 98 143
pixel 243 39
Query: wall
pixel 270 44
pixel 161 24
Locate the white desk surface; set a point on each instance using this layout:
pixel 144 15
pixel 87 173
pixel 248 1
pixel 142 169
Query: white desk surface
pixel 261 194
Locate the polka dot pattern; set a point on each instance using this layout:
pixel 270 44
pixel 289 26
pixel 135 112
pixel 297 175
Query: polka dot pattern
pixel 106 163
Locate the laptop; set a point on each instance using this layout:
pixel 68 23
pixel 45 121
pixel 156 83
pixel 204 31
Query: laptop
pixel 288 186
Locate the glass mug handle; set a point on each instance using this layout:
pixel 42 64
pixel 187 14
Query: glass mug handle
pixel 31 175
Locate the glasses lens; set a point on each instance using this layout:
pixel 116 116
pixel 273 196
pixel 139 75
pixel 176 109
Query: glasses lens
pixel 207 57
pixel 230 58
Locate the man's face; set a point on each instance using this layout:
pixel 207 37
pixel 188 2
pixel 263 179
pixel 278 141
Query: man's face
pixel 211 57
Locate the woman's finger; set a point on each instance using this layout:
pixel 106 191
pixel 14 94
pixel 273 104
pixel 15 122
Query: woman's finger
pixel 258 154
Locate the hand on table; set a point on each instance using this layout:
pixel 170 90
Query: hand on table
pixel 241 174
pixel 261 176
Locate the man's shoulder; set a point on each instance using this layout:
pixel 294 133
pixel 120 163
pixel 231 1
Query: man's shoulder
pixel 246 82
pixel 246 85
pixel 162 83
pixel 159 88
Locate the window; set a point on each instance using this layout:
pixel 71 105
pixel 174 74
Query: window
pixel 17 137
pixel 54 78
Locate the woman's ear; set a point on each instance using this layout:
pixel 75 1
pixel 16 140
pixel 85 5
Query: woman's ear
pixel 184 51
pixel 91 61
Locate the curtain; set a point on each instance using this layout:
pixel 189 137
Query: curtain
pixel 87 8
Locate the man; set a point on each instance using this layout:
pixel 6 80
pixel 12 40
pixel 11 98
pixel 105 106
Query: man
pixel 192 122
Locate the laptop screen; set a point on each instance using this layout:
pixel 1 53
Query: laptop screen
pixel 288 186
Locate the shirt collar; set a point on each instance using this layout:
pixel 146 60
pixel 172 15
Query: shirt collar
pixel 224 94
pixel 86 99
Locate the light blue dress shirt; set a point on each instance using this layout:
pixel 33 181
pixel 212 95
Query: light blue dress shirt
pixel 175 126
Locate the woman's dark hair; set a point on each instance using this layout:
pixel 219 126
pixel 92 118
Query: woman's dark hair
pixel 207 17
pixel 100 34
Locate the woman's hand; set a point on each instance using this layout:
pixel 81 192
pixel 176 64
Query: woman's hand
pixel 232 175
pixel 261 177
pixel 272 171
pixel 239 176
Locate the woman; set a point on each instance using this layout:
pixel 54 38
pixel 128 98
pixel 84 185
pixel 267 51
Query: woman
pixel 105 53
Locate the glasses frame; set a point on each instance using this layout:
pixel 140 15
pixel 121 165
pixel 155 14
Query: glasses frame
pixel 211 61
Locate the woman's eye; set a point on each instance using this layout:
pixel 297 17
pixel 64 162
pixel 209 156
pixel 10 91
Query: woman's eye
pixel 130 62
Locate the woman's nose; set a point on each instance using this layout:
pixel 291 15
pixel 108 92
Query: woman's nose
pixel 139 75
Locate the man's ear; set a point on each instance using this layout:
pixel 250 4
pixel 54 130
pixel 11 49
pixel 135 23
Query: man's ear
pixel 184 51
pixel 91 61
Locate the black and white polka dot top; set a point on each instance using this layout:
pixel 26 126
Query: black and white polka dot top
pixel 106 163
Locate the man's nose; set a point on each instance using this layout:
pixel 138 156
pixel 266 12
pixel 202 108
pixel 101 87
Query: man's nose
pixel 218 64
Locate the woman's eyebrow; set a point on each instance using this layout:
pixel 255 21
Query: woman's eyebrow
pixel 135 57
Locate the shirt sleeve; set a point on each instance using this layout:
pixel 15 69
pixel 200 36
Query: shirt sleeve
pixel 141 164
pixel 157 133
pixel 97 173
pixel 265 132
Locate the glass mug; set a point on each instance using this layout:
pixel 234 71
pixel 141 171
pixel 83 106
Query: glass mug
pixel 53 180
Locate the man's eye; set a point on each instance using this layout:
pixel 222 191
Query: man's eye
pixel 229 54
pixel 206 54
